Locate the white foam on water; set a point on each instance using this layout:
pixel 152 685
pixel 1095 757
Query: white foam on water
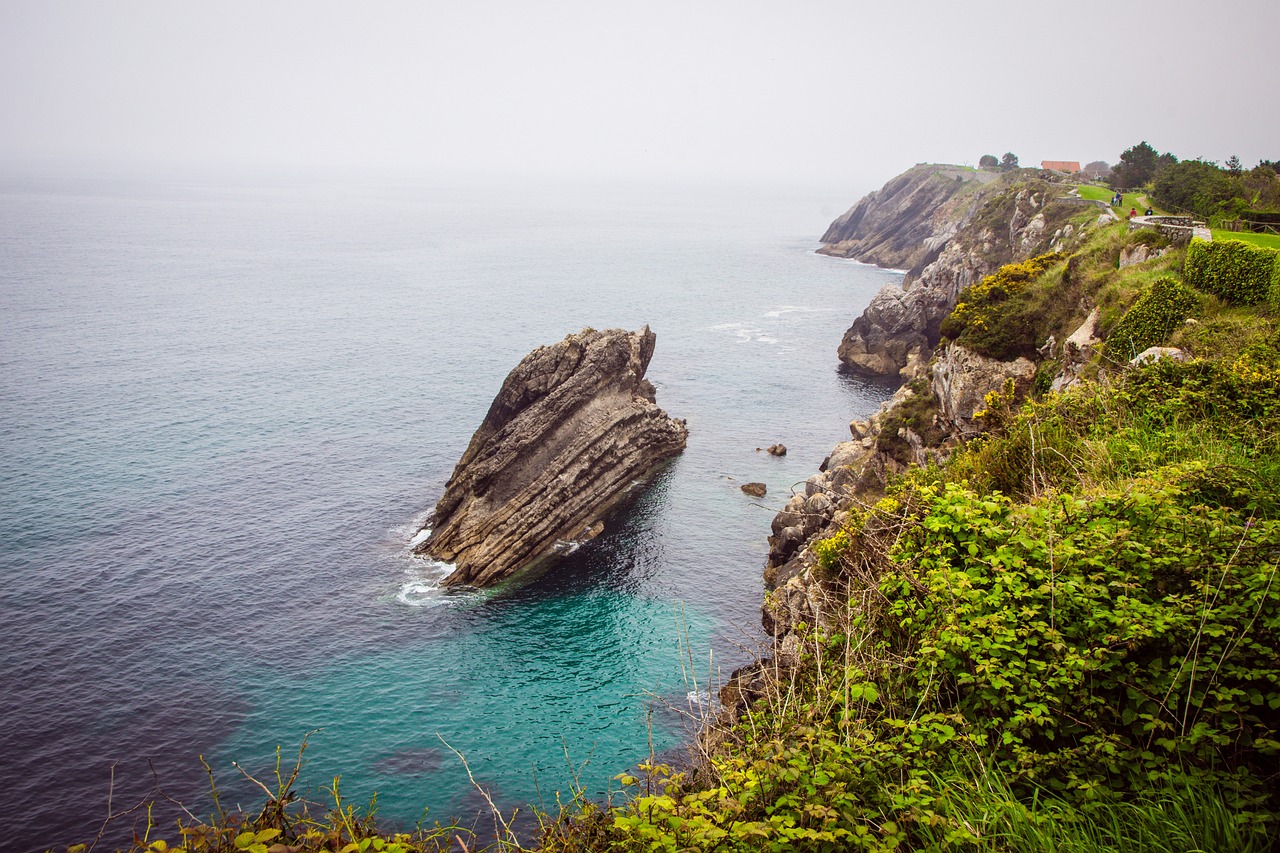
pixel 797 309
pixel 745 332
pixel 420 536
pixel 423 588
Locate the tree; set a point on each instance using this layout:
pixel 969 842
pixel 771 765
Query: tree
pixel 1195 186
pixel 1261 187
pixel 1097 169
pixel 1233 165
pixel 1138 165
pixel 988 161
pixel 1009 160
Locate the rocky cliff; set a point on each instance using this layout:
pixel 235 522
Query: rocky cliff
pixel 948 227
pixel 909 218
pixel 970 234
pixel 575 425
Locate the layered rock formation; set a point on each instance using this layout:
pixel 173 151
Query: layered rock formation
pixel 575 425
pixel 908 219
pixel 974 226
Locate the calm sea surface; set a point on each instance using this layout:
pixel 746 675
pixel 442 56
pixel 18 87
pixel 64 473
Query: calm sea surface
pixel 226 406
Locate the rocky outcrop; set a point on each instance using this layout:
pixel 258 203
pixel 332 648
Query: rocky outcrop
pixel 1011 218
pixel 962 379
pixel 1077 349
pixel 573 428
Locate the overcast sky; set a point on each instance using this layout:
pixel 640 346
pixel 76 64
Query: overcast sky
pixel 784 90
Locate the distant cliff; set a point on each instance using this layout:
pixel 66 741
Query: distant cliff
pixel 948 226
pixel 907 221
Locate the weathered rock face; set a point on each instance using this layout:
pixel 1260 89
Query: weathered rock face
pixel 573 428
pixel 999 222
pixel 905 222
pixel 962 379
pixel 1077 349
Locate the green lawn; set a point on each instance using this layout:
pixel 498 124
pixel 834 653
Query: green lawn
pixel 1132 201
pixel 1267 241
pixel 1094 193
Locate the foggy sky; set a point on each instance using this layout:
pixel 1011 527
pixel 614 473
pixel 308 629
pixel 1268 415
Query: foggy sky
pixel 783 90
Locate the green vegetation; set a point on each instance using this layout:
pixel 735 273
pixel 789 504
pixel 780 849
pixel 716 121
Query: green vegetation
pixel 1093 192
pixel 1005 315
pixel 1129 201
pixel 1234 271
pixel 1160 310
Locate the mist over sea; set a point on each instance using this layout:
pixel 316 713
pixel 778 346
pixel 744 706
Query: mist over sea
pixel 227 405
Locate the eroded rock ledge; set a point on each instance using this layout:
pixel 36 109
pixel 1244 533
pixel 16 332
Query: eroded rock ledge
pixel 575 425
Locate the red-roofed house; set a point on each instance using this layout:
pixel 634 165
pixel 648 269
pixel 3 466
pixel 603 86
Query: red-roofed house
pixel 1060 165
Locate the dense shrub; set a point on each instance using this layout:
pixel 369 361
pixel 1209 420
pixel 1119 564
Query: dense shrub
pixel 1234 271
pixel 1080 648
pixel 1095 640
pixel 999 317
pixel 1159 310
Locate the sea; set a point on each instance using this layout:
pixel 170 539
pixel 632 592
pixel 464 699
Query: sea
pixel 228 403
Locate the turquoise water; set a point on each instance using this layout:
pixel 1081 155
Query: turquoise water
pixel 227 405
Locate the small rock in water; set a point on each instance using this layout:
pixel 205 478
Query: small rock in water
pixel 756 490
pixel 777 450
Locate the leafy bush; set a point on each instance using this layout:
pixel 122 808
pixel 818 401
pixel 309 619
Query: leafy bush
pixel 1235 271
pixel 1088 650
pixel 989 319
pixel 1096 641
pixel 1159 310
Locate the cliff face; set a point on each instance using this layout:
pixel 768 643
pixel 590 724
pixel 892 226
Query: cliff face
pixel 977 225
pixel 1010 218
pixel 910 217
pixel 574 426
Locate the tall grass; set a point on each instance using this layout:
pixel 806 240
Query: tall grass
pixel 980 812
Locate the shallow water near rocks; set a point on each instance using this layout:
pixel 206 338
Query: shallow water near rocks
pixel 227 407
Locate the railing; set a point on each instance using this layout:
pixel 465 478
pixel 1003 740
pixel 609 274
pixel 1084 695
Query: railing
pixel 1250 225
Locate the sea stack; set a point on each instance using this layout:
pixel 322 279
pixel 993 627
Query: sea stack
pixel 575 425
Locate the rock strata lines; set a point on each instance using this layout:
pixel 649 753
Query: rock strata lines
pixel 574 426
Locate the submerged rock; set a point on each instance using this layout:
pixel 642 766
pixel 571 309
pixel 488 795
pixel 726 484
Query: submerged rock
pixel 755 490
pixel 575 425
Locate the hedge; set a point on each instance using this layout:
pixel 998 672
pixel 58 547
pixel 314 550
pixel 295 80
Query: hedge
pixel 1237 272
pixel 1158 311
pixel 1273 295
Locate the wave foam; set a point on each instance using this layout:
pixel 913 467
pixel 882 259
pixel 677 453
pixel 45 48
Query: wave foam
pixel 423 588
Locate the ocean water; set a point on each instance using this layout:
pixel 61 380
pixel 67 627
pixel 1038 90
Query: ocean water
pixel 227 405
